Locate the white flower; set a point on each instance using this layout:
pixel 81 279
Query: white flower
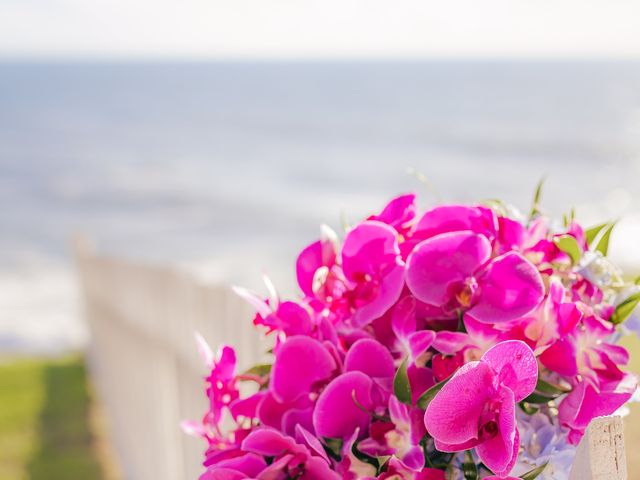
pixel 597 268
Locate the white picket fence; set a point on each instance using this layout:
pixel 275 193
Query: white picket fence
pixel 143 358
pixel 144 363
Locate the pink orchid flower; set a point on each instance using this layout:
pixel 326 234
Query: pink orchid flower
pixel 301 364
pixel 398 471
pixel 222 387
pixel 545 251
pixel 286 318
pixel 302 367
pixel 290 318
pixel 456 218
pixel 290 459
pixel 476 408
pixel 553 319
pixel 346 405
pixel 399 213
pixel 411 342
pixel 221 473
pixel 350 467
pixel 319 255
pixel 584 351
pixel 371 358
pixel 373 269
pixel 241 464
pixel 585 402
pixel 456 272
pixel 399 437
pixel 365 283
pixel 472 344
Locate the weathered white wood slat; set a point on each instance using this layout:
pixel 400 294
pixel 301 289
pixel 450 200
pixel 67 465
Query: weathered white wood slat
pixel 148 374
pixel 144 361
pixel 601 453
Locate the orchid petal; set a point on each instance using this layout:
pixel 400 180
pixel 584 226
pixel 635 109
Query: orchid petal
pixel 451 343
pixel 584 403
pixel 370 357
pixel 403 317
pixel 499 453
pixel 249 464
pixel 293 418
pixel 368 247
pixel 247 407
pixel 561 357
pixel 511 233
pixel 222 474
pixel 455 218
pixel 260 306
pixel 195 429
pixel 271 412
pixel 204 350
pixel 317 469
pixel 440 262
pixel 269 443
pixel 510 288
pixel 419 342
pixel 300 363
pixel 336 414
pixel 453 415
pixel 399 212
pixel 225 363
pixel 420 379
pixel 371 251
pixel 515 365
pixel 318 254
pixel 312 442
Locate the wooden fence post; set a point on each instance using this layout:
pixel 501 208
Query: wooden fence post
pixel 143 357
pixel 601 453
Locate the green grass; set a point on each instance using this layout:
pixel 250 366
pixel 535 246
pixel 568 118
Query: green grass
pixel 44 421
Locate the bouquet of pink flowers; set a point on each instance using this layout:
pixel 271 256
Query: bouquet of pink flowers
pixel 467 342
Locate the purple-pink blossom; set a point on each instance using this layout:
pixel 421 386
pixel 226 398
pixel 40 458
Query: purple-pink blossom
pixel 417 341
pixel 476 407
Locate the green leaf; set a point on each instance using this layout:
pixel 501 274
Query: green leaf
pixel 260 370
pixel 333 446
pixel 543 393
pixel 531 474
pixel 537 196
pixel 401 386
pixel 550 388
pixel 469 467
pixel 593 232
pixel 569 245
pixel 538 399
pixel 425 399
pixel 528 409
pixel 382 461
pixel 603 242
pixel 625 309
pixel 637 281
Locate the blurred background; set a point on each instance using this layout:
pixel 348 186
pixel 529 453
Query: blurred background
pixel 216 136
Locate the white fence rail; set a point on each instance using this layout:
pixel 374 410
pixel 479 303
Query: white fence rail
pixel 145 365
pixel 144 362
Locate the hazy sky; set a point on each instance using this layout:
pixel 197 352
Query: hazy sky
pixel 319 28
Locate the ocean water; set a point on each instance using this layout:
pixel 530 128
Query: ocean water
pixel 229 168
